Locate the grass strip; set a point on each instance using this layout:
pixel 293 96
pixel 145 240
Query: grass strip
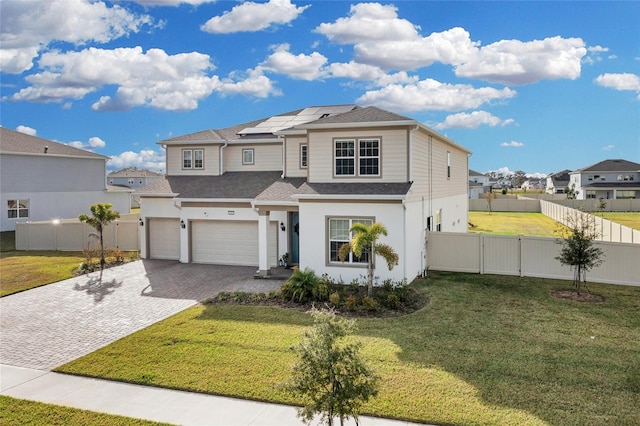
pixel 20 412
pixel 513 223
pixel 485 350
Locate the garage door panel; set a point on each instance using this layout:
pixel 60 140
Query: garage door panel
pixel 164 238
pixel 229 242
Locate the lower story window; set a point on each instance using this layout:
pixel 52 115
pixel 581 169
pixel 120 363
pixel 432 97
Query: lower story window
pixel 17 209
pixel 591 194
pixel 625 194
pixel 339 235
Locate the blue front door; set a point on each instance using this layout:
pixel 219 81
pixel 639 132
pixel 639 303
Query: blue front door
pixel 294 238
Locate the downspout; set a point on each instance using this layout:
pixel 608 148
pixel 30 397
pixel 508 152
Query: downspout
pixel 221 159
pixel 404 239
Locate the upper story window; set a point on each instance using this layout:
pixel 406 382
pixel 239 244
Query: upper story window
pixel 304 156
pixel 192 159
pixel 448 165
pixel 247 156
pixel 17 209
pixel 367 157
pixel 131 181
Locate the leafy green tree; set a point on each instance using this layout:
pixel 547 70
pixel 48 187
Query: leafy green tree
pixel 331 379
pixel 102 215
pixel 365 241
pixel 578 251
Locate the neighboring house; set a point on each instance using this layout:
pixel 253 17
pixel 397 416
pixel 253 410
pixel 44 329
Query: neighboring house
pixel 132 177
pixel 533 184
pixel 478 184
pixel 44 180
pixel 558 183
pixel 295 183
pixel 608 179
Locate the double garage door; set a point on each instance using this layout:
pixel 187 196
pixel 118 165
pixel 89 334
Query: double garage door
pixel 212 241
pixel 230 242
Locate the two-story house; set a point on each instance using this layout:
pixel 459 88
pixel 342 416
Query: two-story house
pixel 478 184
pixel 42 180
pixel 132 177
pixel 608 179
pixel 295 183
pixel 558 183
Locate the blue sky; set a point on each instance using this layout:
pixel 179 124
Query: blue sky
pixel 532 86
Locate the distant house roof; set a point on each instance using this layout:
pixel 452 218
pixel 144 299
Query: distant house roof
pixel 474 173
pixel 134 172
pixel 618 165
pixel 12 142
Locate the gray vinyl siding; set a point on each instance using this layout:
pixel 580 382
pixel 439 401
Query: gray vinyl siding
pixel 266 157
pixel 393 158
pixel 34 173
pixel 211 161
pixel 429 174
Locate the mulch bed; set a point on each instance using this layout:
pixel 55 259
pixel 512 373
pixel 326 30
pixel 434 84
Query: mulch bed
pixel 578 297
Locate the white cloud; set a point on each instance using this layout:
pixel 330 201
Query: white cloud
pixel 472 120
pixel 369 22
pixel 145 159
pixel 172 2
pixel 608 147
pixel 250 17
pixel 27 27
pixel 154 78
pixel 513 144
pixel 594 54
pixel 430 94
pixel 93 143
pixel 301 67
pixel 515 62
pixel 383 39
pixel 624 81
pixel 26 130
pixel 253 82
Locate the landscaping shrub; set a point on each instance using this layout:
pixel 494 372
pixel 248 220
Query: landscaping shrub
pixel 302 286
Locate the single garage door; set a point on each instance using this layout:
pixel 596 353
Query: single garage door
pixel 230 242
pixel 164 238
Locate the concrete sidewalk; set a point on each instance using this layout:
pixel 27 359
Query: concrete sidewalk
pixel 150 403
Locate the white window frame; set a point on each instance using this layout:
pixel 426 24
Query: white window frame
pixel 365 157
pixel 245 160
pixel 196 153
pixel 347 157
pixel 304 155
pixel 192 153
pixel 357 157
pixel 20 209
pixel 448 165
pixel 187 153
pixel 340 239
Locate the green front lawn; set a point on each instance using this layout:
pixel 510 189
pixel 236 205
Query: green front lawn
pixel 19 412
pixel 513 223
pixel 485 350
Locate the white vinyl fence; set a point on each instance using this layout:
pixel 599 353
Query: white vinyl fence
pixel 526 257
pixel 73 235
pixel 606 229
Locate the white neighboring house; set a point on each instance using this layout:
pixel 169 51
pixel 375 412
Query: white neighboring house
pixel 478 184
pixel 132 177
pixel 295 183
pixel 558 183
pixel 43 180
pixel 608 179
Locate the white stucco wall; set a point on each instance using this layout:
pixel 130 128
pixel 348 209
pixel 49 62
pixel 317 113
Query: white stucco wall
pixel 313 237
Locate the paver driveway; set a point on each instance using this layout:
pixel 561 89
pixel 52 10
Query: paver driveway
pixel 48 326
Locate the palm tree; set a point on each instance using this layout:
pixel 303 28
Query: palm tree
pixel 102 216
pixel 364 241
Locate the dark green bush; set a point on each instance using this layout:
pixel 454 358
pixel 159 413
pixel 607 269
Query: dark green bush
pixel 302 286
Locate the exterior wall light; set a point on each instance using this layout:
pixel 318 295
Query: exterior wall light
pixel 140 222
pixel 282 226
pixel 182 224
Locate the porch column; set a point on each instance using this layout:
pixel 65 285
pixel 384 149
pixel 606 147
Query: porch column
pixel 263 242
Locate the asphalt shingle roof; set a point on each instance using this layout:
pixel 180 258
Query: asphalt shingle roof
pixel 21 143
pixel 235 185
pixel 356 188
pixel 617 165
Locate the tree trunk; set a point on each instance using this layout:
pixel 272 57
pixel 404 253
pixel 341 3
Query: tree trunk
pixel 370 274
pixel 102 261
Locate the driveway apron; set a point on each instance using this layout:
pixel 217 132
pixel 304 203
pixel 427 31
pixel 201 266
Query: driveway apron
pixel 51 325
